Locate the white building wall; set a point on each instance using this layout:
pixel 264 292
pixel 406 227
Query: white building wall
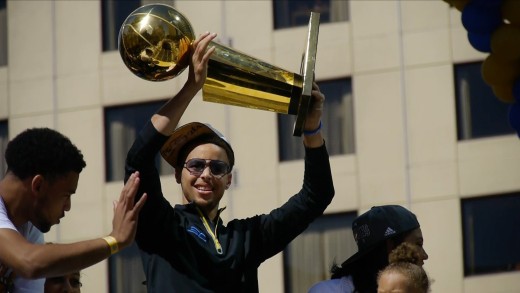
pixel 400 55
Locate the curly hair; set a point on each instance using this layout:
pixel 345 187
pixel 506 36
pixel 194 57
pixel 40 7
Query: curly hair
pixel 405 260
pixel 42 151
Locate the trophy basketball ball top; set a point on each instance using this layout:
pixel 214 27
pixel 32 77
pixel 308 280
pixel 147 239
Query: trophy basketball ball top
pixel 154 42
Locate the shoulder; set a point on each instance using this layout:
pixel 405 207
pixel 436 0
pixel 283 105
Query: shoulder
pixel 342 285
pixel 5 222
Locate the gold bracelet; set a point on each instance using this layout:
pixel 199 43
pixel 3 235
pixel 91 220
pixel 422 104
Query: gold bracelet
pixel 112 243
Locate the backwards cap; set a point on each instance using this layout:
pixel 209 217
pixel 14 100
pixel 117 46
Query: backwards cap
pixel 189 132
pixel 378 224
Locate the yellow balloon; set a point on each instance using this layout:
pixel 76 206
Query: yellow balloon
pixel 504 93
pixel 505 43
pixel 496 72
pixel 511 11
pixel 458 4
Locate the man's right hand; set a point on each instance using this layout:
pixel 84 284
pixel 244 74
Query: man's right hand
pixel 126 212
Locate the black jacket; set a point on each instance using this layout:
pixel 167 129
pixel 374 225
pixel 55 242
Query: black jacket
pixel 178 235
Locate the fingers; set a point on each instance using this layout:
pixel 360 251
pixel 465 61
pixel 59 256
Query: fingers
pixel 131 186
pixel 201 45
pixel 140 203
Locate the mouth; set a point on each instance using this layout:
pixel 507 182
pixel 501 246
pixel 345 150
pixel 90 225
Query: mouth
pixel 204 191
pixel 204 188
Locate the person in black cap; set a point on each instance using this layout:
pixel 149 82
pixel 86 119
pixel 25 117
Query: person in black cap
pixel 203 254
pixel 377 232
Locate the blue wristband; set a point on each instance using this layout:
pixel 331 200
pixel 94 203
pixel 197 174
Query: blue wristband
pixel 312 132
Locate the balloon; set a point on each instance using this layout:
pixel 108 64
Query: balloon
pixel 511 11
pixel 514 116
pixel 480 19
pixel 516 90
pixel 481 42
pixel 488 3
pixel 458 4
pixel 495 72
pixel 505 43
pixel 504 93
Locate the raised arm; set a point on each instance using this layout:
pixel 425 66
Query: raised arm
pixel 167 118
pixel 30 260
pixel 312 137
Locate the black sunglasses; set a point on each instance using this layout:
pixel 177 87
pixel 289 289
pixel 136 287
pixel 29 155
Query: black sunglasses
pixel 197 166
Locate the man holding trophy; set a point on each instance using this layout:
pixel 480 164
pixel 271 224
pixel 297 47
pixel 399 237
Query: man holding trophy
pixel 204 254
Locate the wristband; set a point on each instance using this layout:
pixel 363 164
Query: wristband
pixel 312 132
pixel 112 243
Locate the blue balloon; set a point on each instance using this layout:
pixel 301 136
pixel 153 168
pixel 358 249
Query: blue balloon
pixel 514 117
pixel 481 42
pixel 516 90
pixel 488 3
pixel 481 19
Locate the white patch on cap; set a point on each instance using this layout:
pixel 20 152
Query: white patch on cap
pixel 389 231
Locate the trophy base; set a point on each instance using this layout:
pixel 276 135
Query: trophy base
pixel 307 71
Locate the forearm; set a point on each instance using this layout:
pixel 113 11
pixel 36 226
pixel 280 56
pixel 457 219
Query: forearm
pixel 167 118
pixel 313 141
pixel 60 259
pixel 318 175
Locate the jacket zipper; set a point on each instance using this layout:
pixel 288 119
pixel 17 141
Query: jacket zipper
pixel 218 247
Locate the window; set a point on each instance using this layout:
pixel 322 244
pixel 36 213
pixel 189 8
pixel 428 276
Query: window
pixel 479 112
pixel 291 13
pixel 491 234
pixel 126 271
pixel 337 120
pixel 114 13
pixel 3 32
pixel 4 139
pixel 122 124
pixel 309 257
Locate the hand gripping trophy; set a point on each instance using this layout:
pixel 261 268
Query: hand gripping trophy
pixel 154 43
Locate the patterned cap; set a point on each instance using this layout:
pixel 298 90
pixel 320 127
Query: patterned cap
pixel 377 225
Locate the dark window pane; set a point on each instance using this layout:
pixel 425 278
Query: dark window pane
pixel 479 112
pixel 337 120
pixel 3 33
pixel 4 139
pixel 122 124
pixel 309 257
pixel 113 14
pixel 491 234
pixel 291 13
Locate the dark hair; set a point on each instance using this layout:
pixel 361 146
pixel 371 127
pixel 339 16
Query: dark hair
pixel 203 139
pixel 365 270
pixel 42 151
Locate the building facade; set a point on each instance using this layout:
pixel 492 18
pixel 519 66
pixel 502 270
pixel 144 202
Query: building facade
pixel 407 131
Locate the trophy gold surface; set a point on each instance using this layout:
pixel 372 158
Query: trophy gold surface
pixel 154 43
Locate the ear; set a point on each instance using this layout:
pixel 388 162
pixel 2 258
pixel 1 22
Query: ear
pixel 178 173
pixel 229 180
pixel 37 183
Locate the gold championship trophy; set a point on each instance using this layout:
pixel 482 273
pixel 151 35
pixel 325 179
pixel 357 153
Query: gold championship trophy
pixel 154 42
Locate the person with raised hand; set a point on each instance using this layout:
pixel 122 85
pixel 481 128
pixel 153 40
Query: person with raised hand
pixel 190 240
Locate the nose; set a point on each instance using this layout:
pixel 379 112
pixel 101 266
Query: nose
pixel 424 254
pixel 206 173
pixel 68 205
